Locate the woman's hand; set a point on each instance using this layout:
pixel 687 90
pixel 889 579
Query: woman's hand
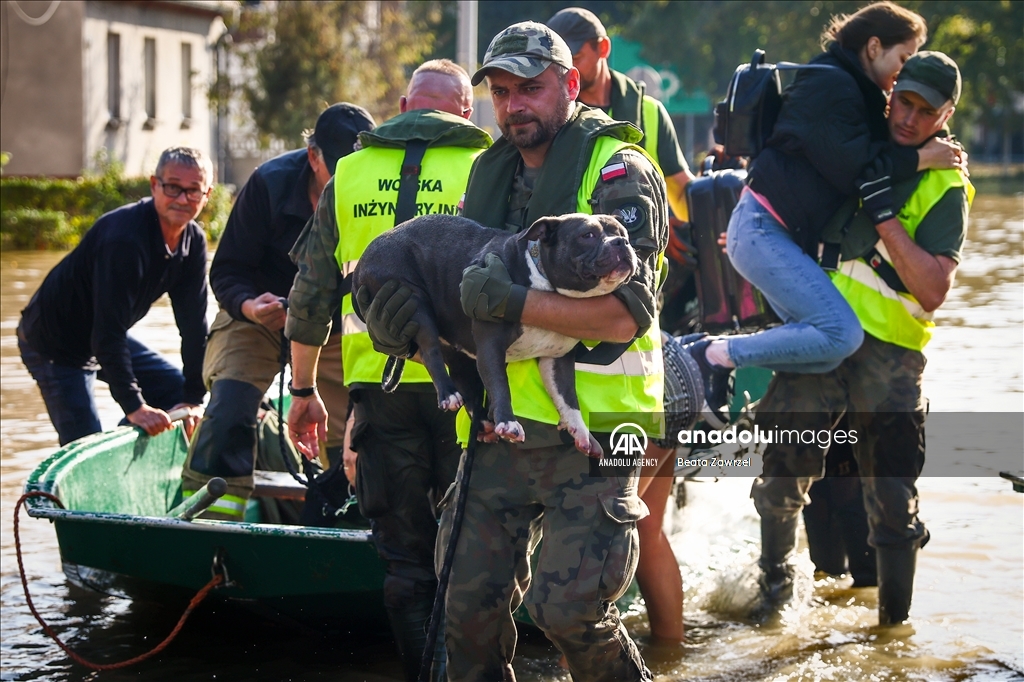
pixel 941 153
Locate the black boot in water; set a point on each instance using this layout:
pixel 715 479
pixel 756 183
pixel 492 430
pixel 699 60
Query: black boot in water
pixel 409 627
pixel 895 584
pixel 778 539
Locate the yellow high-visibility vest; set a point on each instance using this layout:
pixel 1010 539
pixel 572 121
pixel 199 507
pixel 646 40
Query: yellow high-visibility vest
pixel 885 313
pixel 365 194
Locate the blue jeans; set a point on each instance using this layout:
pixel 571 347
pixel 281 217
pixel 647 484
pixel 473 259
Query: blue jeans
pixel 820 329
pixel 68 390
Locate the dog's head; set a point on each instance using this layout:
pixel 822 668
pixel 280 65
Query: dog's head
pixel 583 255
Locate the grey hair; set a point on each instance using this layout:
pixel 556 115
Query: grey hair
pixel 309 138
pixel 186 156
pixel 445 66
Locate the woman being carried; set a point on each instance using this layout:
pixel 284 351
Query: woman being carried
pixel 830 128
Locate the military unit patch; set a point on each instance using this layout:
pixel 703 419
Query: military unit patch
pixel 629 214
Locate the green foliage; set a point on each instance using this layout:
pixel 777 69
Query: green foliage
pixel 705 40
pixel 318 53
pixel 30 228
pixel 41 213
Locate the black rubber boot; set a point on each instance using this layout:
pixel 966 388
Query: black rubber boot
pixel 778 539
pixel 409 627
pixel 895 584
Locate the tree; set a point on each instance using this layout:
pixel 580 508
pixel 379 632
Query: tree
pixel 317 53
pixel 705 40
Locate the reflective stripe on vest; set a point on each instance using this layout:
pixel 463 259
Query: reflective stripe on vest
pixel 231 505
pixel 651 116
pixel 632 386
pixel 365 193
pixel 885 313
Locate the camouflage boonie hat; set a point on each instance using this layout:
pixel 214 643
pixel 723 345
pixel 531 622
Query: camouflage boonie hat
pixel 524 49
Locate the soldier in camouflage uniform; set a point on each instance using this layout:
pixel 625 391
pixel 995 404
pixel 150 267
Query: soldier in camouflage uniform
pixel 543 486
pixel 895 272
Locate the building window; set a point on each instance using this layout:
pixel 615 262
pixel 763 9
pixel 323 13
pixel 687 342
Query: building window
pixel 114 78
pixel 186 84
pixel 149 63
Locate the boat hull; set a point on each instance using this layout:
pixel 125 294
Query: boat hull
pixel 114 538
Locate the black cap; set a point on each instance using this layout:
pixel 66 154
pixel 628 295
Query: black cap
pixel 933 75
pixel 577 26
pixel 337 128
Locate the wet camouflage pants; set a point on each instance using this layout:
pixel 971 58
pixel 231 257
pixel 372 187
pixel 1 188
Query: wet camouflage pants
pixel 586 562
pixel 880 387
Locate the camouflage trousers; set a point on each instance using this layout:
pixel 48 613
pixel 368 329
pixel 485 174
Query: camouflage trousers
pixel 879 388
pixel 587 560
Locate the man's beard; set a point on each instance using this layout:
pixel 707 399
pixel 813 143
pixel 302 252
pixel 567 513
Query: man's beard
pixel 543 132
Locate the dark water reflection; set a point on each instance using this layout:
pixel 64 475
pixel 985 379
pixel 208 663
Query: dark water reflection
pixel 969 598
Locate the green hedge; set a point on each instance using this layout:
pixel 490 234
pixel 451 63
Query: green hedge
pixel 41 213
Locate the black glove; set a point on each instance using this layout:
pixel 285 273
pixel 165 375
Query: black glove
pixel 488 293
pixel 388 317
pixel 875 187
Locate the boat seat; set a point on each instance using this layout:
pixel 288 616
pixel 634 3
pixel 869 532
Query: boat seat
pixel 279 485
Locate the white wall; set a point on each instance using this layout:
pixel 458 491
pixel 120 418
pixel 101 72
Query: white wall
pixel 136 143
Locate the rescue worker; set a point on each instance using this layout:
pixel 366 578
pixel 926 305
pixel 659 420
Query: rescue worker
pixel 544 486
pixel 250 274
pixel 407 450
pixel 896 272
pixel 623 99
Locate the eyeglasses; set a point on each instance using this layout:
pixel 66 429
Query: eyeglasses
pixel 174 191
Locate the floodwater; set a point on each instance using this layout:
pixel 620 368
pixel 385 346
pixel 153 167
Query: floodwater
pixel 968 611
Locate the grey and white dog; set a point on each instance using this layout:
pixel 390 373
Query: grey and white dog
pixel 576 255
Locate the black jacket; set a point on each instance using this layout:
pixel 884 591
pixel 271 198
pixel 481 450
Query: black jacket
pixel 84 308
pixel 832 124
pixel 269 213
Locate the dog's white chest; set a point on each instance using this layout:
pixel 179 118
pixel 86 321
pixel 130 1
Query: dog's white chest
pixel 539 343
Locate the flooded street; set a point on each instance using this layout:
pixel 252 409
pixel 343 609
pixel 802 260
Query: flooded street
pixel 967 614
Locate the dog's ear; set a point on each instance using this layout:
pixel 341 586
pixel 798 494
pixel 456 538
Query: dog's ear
pixel 543 230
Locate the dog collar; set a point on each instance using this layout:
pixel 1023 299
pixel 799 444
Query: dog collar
pixel 533 248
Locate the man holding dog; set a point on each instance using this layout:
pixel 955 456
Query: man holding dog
pixel 556 157
pixel 895 272
pixel 414 164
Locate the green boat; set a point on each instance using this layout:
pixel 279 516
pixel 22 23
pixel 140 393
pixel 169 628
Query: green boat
pixel 117 536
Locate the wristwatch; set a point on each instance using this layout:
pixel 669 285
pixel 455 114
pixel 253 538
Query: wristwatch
pixel 301 392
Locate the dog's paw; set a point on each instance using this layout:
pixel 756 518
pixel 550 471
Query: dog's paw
pixel 452 402
pixel 510 431
pixel 585 442
pixel 589 446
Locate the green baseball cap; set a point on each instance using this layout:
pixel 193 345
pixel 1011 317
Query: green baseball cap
pixel 525 50
pixel 577 26
pixel 933 75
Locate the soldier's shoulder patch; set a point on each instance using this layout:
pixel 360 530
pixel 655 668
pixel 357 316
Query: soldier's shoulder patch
pixel 630 214
pixel 613 171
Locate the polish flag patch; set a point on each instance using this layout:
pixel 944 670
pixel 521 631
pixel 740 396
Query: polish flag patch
pixel 462 202
pixel 612 171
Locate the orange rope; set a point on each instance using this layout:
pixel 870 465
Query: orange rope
pixel 200 595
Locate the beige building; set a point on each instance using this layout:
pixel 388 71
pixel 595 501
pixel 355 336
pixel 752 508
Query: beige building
pixel 126 80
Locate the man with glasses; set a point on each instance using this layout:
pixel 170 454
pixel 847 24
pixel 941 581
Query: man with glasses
pixel 250 276
pixel 75 328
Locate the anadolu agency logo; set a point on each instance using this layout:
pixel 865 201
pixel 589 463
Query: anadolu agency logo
pixel 629 444
pixel 628 440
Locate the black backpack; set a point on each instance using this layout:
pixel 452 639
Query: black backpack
pixel 745 118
